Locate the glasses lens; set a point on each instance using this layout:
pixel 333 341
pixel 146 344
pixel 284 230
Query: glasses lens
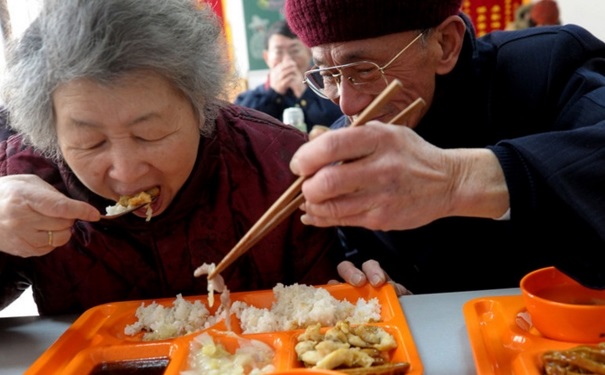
pixel 322 82
pixel 364 75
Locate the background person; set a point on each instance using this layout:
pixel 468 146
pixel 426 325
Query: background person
pixel 287 59
pixel 114 97
pixel 504 165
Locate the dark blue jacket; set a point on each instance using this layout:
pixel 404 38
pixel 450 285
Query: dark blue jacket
pixel 318 111
pixel 535 97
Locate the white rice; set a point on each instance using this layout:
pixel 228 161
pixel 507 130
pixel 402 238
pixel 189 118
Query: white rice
pixel 299 306
pixel 115 209
pixel 164 322
pixel 295 307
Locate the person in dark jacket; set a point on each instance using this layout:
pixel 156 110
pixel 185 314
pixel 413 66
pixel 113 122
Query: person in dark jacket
pixel 287 59
pixel 111 98
pixel 502 172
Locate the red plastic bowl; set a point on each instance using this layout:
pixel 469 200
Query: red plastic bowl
pixel 562 309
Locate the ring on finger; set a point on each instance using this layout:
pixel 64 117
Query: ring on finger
pixel 50 238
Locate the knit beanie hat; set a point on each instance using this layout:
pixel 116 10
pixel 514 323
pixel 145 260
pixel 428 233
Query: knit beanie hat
pixel 330 21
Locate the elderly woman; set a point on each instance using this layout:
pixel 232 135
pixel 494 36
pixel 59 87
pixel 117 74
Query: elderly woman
pixel 110 98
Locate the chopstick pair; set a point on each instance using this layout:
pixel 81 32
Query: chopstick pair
pixel 292 198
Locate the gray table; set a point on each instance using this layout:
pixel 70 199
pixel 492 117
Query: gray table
pixel 436 322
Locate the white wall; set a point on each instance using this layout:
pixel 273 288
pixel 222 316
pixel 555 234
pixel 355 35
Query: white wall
pixel 589 14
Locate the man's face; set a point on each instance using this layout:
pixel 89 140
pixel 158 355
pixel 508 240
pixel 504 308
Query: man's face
pixel 414 67
pixel 281 47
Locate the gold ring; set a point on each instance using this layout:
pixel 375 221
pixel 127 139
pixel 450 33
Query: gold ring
pixel 50 238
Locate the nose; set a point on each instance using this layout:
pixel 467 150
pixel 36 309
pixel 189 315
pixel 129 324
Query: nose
pixel 126 164
pixel 351 101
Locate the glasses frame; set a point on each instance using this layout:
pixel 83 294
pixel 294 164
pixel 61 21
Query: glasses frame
pixel 340 74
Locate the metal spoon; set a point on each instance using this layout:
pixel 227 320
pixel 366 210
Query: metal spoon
pixel 128 210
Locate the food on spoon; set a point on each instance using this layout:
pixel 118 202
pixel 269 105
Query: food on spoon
pixel 582 359
pixel 127 202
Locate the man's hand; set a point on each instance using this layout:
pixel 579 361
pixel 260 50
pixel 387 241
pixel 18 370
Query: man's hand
pixel 386 177
pixel 370 271
pixel 286 75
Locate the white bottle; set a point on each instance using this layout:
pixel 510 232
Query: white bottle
pixel 294 116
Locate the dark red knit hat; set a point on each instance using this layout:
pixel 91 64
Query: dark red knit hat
pixel 329 21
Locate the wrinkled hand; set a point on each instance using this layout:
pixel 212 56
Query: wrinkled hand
pixel 392 179
pixel 370 272
pixel 30 208
pixel 286 75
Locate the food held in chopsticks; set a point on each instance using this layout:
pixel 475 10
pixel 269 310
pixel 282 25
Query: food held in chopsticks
pixel 582 359
pixel 347 346
pixel 127 202
pixel 215 284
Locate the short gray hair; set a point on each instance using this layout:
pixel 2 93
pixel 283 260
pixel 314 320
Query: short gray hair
pixel 104 40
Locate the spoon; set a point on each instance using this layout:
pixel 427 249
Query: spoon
pixel 128 210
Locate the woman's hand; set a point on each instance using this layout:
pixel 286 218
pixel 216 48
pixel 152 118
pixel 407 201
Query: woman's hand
pixel 35 218
pixel 370 272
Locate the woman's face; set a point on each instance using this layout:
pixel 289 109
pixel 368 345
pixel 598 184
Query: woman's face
pixel 127 137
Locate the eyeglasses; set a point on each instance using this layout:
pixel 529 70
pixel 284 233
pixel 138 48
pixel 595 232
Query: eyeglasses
pixel 364 75
pixel 292 51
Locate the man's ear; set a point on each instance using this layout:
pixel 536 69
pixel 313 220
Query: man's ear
pixel 266 57
pixel 450 36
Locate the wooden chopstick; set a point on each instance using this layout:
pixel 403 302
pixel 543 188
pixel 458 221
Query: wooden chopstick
pixel 291 199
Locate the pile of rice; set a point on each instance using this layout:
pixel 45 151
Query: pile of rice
pixel 300 306
pixel 164 322
pixel 295 307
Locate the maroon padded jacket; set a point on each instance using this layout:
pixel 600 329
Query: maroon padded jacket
pixel 240 171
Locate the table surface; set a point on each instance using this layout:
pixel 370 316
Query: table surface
pixel 436 321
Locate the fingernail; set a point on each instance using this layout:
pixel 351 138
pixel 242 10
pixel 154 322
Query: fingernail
pixel 303 219
pixel 376 280
pixel 294 167
pixel 356 279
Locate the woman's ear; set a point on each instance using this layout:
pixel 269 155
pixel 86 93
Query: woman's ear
pixel 450 35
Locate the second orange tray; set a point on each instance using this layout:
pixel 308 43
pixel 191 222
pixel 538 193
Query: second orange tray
pixel 500 347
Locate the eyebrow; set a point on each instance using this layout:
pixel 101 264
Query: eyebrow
pixel 351 56
pixel 134 122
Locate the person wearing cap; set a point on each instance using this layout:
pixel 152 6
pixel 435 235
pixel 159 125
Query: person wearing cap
pixel 500 173
pixel 287 59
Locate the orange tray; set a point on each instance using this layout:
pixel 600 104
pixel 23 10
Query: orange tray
pixel 500 347
pixel 97 336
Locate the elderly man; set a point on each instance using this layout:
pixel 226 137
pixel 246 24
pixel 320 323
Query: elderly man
pixel 501 168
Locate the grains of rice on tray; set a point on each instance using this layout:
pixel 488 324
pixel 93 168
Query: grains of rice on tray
pixel 296 306
pixel 299 306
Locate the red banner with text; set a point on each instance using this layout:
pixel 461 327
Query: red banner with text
pixel 490 15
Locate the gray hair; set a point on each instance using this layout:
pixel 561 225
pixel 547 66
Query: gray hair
pixel 105 40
